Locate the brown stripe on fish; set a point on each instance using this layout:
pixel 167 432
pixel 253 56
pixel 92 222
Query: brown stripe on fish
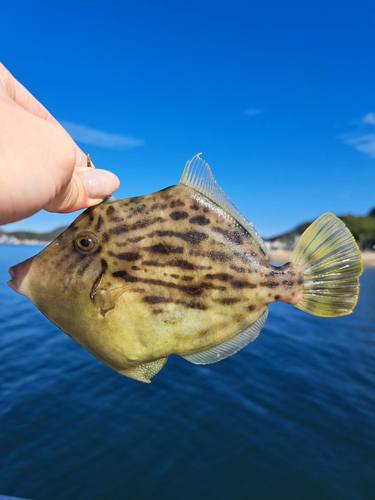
pixel 221 256
pixel 156 206
pixel 136 200
pixel 269 284
pixel 119 230
pixel 99 223
pixel 104 265
pixel 195 253
pixel 238 269
pixel 283 271
pixel 247 257
pixel 192 305
pixel 138 210
pixel 77 259
pixel 89 260
pixel 243 284
pixel 227 301
pixel 154 299
pixel 110 210
pixel 197 290
pixel 272 273
pixel 191 237
pixel 288 283
pixel 234 237
pixel 128 256
pixel 201 220
pixel 219 276
pixel 141 224
pixel 183 264
pixel 178 215
pixel 163 248
pixel 153 263
pixel 176 203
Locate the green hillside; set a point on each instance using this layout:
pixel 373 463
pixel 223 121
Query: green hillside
pixel 30 235
pixel 362 228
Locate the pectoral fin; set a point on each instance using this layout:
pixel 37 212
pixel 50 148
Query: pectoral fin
pixel 105 298
pixel 145 371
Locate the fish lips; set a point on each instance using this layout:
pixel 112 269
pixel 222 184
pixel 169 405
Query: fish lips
pixel 18 273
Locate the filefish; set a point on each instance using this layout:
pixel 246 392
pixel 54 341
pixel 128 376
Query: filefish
pixel 181 271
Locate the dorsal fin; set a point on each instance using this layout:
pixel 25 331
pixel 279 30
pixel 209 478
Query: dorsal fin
pixel 231 346
pixel 197 175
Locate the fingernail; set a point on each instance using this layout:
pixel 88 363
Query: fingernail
pixel 99 183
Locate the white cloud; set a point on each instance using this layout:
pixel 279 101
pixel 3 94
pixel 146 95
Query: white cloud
pixel 360 141
pixel 369 119
pixel 86 135
pixel 253 111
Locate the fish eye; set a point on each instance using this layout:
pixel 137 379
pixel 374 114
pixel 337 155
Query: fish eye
pixel 86 242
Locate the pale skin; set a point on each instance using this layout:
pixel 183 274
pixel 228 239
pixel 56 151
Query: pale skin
pixel 41 167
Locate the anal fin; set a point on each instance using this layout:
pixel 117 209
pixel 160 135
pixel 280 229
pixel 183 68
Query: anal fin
pixel 145 371
pixel 231 346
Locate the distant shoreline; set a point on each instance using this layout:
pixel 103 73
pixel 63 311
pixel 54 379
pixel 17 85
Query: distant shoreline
pixel 282 256
pixel 26 243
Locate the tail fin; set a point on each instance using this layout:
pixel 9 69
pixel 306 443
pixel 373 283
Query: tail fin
pixel 331 263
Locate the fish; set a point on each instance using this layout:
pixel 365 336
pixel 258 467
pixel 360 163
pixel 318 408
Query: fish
pixel 181 271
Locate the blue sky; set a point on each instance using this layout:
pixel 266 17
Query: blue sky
pixel 279 96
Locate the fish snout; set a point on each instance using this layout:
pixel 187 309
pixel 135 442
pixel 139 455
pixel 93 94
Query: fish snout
pixel 18 274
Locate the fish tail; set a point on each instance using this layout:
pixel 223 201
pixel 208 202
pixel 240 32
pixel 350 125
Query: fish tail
pixel 331 263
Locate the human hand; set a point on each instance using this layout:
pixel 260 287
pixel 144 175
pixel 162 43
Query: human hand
pixel 41 167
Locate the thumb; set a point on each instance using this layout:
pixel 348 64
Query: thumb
pixel 88 186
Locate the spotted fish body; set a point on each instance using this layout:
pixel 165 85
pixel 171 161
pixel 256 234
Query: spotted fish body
pixel 179 271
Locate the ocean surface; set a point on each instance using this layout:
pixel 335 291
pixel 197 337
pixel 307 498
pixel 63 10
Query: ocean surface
pixel 292 416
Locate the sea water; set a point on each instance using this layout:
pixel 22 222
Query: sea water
pixel 291 416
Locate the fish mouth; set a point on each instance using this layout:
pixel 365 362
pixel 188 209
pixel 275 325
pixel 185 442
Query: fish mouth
pixel 18 274
pixel 13 275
